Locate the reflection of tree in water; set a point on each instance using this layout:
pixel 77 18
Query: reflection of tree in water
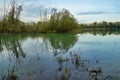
pixel 1 48
pixel 62 42
pixel 12 48
pixel 102 32
pixel 70 67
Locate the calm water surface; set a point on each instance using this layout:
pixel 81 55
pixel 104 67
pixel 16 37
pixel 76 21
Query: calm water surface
pixel 60 57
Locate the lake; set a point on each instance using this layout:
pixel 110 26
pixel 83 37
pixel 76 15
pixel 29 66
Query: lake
pixel 84 56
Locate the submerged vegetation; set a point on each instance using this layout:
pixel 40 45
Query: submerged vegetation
pixel 71 67
pixel 51 20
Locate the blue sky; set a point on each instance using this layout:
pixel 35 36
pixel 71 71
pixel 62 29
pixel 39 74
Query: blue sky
pixel 85 11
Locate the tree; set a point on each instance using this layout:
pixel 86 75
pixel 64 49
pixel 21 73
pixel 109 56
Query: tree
pixel 53 20
pixel 62 21
pixel 14 13
pixel 18 11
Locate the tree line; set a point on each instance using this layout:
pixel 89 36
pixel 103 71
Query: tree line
pixel 101 26
pixel 51 20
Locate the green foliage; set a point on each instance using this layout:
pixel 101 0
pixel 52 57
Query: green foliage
pixel 62 21
pixel 58 21
pixel 42 27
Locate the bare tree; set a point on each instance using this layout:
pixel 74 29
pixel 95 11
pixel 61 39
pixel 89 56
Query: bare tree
pixel 12 12
pixel 4 18
pixel 18 11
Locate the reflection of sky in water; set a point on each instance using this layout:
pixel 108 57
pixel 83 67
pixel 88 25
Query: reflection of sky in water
pixel 104 48
pixel 40 58
pixel 37 45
